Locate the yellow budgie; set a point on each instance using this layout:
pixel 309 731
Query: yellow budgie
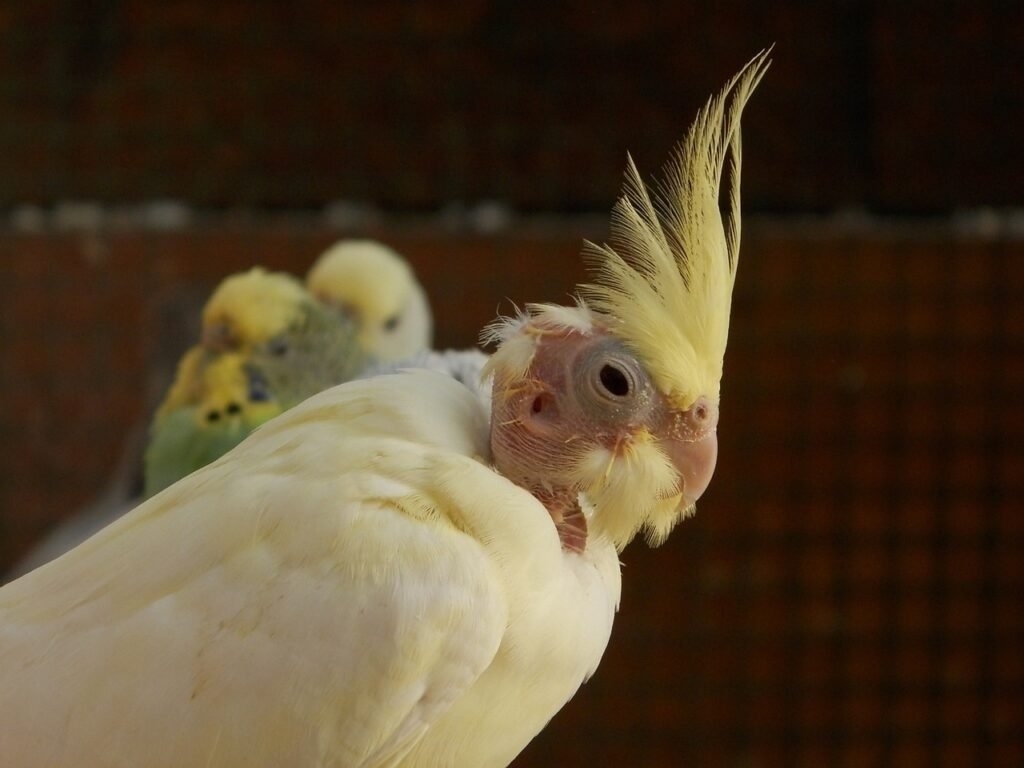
pixel 387 574
pixel 377 288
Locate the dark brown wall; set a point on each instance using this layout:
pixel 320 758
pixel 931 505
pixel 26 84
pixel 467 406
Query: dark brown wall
pixel 911 106
pixel 849 591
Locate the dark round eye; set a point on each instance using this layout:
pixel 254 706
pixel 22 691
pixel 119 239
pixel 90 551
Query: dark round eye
pixel 392 322
pixel 213 416
pixel 614 380
pixel 278 347
pixel 233 408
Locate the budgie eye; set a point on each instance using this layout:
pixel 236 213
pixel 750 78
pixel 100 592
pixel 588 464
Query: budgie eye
pixel 392 322
pixel 278 347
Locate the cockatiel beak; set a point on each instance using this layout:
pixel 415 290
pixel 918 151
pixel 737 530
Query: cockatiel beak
pixel 691 442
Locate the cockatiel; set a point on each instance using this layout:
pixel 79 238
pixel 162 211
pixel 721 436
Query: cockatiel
pixel 377 288
pixel 387 575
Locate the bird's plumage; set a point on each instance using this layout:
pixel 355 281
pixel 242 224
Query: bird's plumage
pixel 324 624
pixel 387 574
pixel 267 345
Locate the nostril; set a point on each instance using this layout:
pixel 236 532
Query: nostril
pixel 699 419
pixel 213 416
pixel 233 408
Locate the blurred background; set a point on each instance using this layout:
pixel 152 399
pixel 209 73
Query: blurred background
pixel 850 592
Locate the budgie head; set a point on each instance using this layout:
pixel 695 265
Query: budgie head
pixel 219 413
pixel 608 411
pixel 226 395
pixel 251 308
pixel 290 344
pixel 377 288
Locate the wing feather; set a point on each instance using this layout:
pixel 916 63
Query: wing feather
pixel 257 613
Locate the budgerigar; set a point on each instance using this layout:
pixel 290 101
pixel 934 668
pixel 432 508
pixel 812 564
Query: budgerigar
pixel 282 346
pixel 387 574
pixel 266 345
pixel 378 289
pixel 191 436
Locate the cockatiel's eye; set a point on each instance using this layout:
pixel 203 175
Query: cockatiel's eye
pixel 614 380
pixel 610 381
pixel 392 322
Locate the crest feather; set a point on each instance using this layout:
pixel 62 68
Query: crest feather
pixel 665 281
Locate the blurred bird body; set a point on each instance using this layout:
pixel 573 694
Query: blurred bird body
pixel 387 574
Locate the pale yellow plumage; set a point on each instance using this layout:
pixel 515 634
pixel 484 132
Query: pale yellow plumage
pixel 320 623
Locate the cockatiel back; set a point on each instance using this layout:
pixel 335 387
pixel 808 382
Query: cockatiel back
pixel 387 574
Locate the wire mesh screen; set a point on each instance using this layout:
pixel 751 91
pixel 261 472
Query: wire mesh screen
pixel 413 105
pixel 849 591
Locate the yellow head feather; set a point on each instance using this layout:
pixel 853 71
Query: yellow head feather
pixel 380 289
pixel 255 305
pixel 665 282
pixel 368 277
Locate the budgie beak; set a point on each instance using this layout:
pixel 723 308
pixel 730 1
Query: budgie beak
pixel 691 442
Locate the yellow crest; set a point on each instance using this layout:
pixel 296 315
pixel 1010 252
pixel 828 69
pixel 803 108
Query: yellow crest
pixel 665 281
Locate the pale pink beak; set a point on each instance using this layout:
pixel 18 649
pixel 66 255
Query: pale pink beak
pixel 692 446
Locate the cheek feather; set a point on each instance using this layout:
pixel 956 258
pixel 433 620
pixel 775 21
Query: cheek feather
pixel 633 487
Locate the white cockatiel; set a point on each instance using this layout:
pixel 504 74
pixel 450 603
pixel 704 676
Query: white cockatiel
pixel 387 575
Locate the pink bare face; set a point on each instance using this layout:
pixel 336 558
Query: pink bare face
pixel 585 391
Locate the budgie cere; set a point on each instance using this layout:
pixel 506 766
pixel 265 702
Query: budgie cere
pixel 388 574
